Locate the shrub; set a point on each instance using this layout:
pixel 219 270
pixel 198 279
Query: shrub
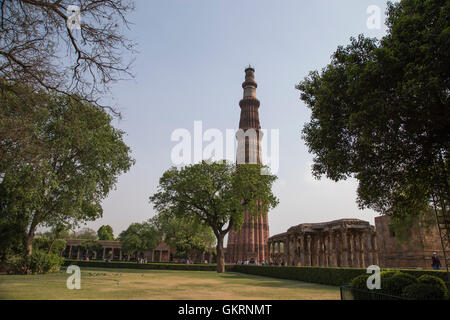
pixel 436 282
pixel 395 283
pixel 422 291
pixel 388 274
pixel 42 262
pixel 359 288
pixel 15 264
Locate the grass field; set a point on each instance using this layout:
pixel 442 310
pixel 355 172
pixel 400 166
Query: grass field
pixel 160 284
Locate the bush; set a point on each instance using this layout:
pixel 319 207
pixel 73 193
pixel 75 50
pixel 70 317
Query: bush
pixel 15 264
pixel 394 284
pixel 388 274
pixel 359 287
pixel 436 282
pixel 42 262
pixel 422 291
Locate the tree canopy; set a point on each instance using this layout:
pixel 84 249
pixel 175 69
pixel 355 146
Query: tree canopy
pixel 216 194
pixel 138 238
pixel 80 158
pixel 105 233
pixel 380 112
pixel 185 234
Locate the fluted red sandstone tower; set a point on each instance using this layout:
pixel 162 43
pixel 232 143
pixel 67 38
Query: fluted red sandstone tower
pixel 251 241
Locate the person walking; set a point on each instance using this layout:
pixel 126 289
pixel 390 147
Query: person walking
pixel 435 262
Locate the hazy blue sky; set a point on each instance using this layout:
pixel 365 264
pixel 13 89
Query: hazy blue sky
pixel 190 66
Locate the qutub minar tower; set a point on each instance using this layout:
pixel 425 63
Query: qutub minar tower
pixel 250 242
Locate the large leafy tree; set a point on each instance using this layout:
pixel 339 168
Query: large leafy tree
pixel 80 158
pixel 215 194
pixel 187 235
pixel 381 112
pixel 105 233
pixel 139 237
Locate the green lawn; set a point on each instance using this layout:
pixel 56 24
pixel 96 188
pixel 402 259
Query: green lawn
pixel 160 284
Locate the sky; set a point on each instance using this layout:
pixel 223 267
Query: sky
pixel 190 67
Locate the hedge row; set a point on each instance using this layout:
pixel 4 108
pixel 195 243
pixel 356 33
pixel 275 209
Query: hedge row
pixel 322 275
pixel 147 266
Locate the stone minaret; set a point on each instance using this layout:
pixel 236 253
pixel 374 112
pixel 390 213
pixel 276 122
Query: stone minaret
pixel 251 241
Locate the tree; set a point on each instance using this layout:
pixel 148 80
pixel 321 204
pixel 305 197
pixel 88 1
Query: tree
pixel 105 233
pixel 86 234
pixel 185 234
pixel 216 194
pixel 81 155
pixel 380 112
pixel 37 48
pixel 138 238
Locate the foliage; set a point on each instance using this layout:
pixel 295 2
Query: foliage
pixel 395 284
pixel 436 282
pixel 91 245
pixel 85 234
pixel 105 233
pixel 42 262
pixel 380 112
pixel 45 244
pixel 139 237
pixel 359 287
pixel 422 291
pixel 80 157
pixel 402 226
pixel 322 275
pixel 216 194
pixel 185 234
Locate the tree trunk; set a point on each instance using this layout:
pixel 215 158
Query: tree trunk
pixel 51 246
pixel 220 255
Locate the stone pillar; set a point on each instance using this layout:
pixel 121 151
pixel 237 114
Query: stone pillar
pixel 302 250
pixel 70 252
pixel 331 250
pixel 120 254
pixel 78 254
pixel 287 249
pixel 308 251
pixel 345 248
pixel 351 250
pixel 363 260
pixel 319 250
pixel 103 256
pixel 95 255
pixel 375 249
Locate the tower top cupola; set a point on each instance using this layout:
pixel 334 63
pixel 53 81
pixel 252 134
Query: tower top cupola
pixel 249 85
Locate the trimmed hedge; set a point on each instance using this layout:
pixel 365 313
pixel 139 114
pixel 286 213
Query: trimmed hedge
pixel 322 275
pixel 423 291
pixel 147 266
